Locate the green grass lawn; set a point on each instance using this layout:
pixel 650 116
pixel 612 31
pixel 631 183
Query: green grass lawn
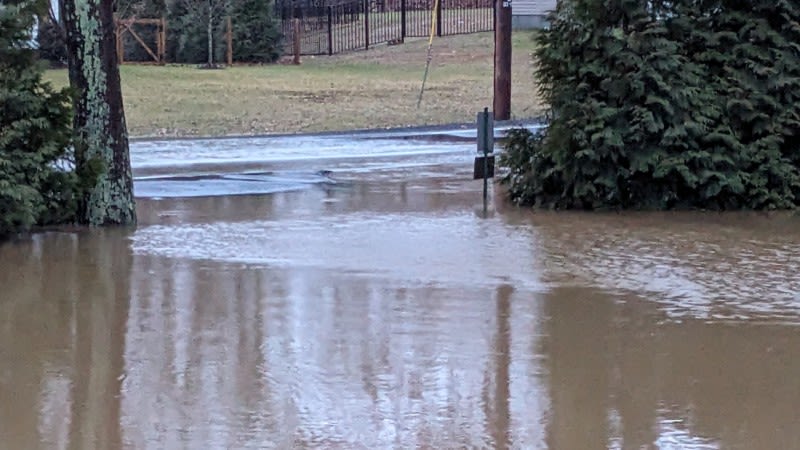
pixel 367 89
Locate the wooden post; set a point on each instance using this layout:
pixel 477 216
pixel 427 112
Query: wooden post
pixel 229 37
pixel 402 20
pixel 120 48
pixel 296 40
pixel 330 30
pixel 163 40
pixel 366 24
pixel 439 18
pixel 502 60
pixel 159 48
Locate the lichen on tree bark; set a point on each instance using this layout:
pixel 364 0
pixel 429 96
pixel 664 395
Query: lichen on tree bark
pixel 101 141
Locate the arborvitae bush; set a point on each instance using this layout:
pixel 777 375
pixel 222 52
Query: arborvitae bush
pixel 664 105
pixel 35 129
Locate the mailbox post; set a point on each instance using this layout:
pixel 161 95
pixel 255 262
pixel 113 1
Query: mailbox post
pixel 484 165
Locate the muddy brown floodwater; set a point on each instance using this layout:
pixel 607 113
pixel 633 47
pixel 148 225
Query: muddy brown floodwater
pixel 373 307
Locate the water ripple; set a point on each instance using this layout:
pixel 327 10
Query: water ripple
pixel 452 250
pixel 697 270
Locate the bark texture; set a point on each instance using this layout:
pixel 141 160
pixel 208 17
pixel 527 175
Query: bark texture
pixel 101 139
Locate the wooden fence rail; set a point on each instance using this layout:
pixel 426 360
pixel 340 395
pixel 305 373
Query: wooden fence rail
pixel 124 26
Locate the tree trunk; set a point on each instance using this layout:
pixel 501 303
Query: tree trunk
pixel 210 41
pixel 101 138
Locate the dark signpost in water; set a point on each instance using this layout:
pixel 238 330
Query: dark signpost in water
pixel 484 165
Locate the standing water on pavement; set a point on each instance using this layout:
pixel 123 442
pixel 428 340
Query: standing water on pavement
pixel 346 292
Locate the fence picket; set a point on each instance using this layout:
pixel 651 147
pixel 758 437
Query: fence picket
pixel 336 26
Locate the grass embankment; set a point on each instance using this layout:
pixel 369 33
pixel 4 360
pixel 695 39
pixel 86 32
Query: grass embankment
pixel 369 89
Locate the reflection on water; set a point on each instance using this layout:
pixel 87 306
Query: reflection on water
pixel 63 312
pixel 715 267
pixel 381 311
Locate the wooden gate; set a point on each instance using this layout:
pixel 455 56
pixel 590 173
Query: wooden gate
pixel 127 26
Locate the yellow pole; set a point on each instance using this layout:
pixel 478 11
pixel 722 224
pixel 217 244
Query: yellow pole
pixel 430 48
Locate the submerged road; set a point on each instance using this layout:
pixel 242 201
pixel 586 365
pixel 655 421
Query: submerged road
pixel 236 166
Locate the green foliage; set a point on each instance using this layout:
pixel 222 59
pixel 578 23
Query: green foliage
pixel 49 36
pixel 256 33
pixel 35 129
pixel 662 105
pixel 187 38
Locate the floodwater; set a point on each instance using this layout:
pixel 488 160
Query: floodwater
pixel 348 293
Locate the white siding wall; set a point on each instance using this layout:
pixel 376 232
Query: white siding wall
pixel 532 7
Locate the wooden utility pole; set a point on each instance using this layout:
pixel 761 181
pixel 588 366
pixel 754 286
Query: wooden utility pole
pixel 502 60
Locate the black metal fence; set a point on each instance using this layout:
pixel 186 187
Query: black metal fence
pixel 327 28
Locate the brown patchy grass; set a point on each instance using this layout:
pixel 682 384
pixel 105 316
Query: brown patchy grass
pixel 369 89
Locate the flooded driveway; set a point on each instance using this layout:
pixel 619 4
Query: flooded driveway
pixel 335 293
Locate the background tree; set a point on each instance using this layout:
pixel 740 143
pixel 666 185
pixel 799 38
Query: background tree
pixel 101 141
pixel 50 39
pixel 665 104
pixel 256 32
pixel 34 131
pixel 211 13
pixel 187 37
